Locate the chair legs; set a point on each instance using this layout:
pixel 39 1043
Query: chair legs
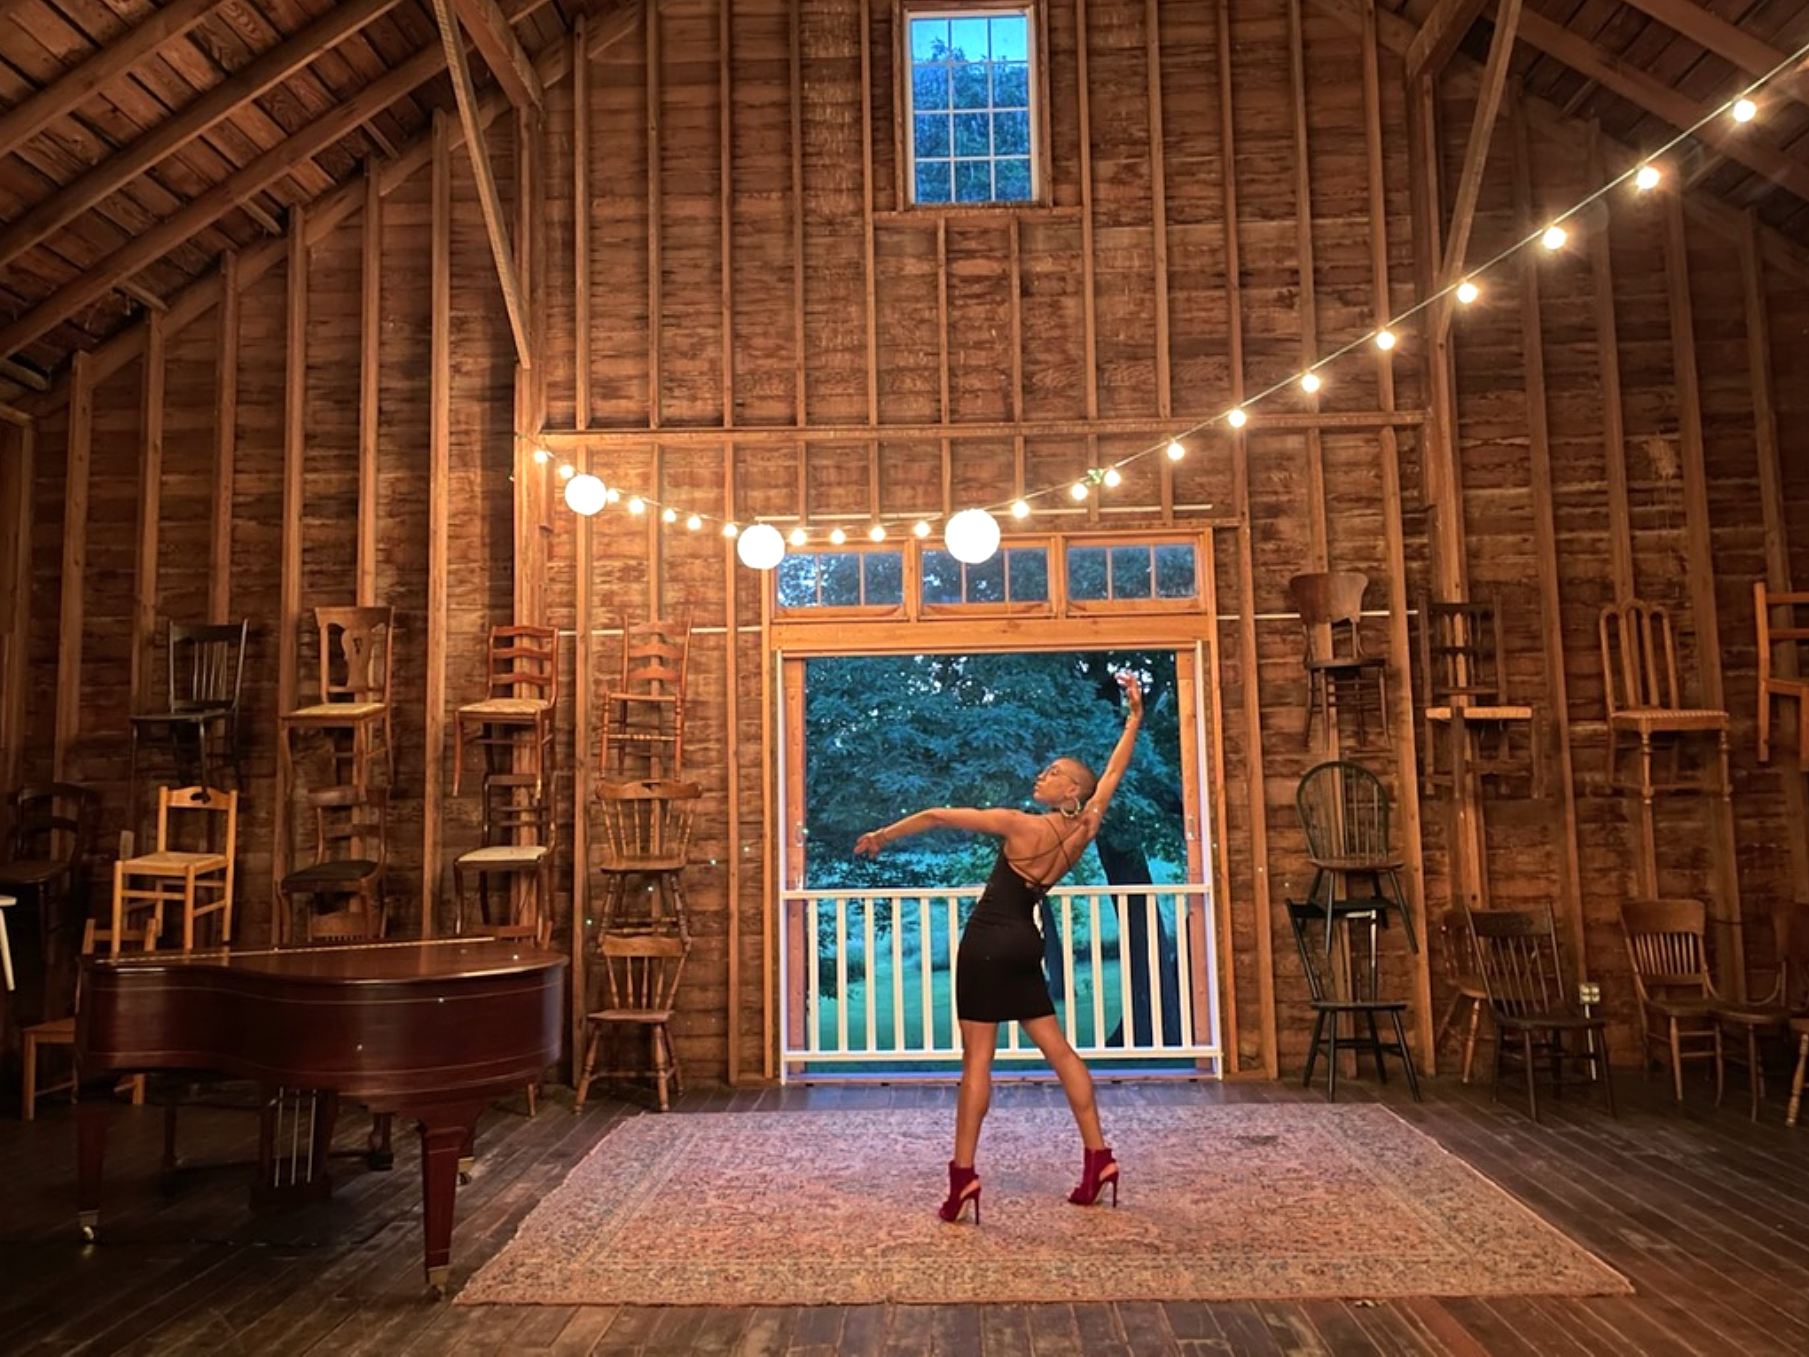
pixel 1796 1080
pixel 1326 1021
pixel 664 1069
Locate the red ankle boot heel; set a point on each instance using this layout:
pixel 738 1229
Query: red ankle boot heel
pixel 963 1187
pixel 1100 1169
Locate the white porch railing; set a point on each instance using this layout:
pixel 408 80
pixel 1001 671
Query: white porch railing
pixel 868 977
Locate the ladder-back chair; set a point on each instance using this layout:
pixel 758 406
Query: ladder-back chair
pixel 1783 622
pixel 1464 697
pixel 518 843
pixel 644 712
pixel 1639 675
pixel 523 698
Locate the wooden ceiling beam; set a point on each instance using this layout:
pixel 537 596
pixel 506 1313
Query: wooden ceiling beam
pixel 203 211
pixel 1476 153
pixel 490 33
pixel 1743 144
pixel 1711 32
pixel 489 200
pixel 1436 42
pixel 278 64
pixel 19 123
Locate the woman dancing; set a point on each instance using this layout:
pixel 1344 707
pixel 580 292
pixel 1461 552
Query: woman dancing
pixel 999 967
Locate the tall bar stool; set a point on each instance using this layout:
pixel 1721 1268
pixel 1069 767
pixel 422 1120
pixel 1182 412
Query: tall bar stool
pixel 645 838
pixel 523 699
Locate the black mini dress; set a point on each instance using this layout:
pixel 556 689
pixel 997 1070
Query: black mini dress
pixel 999 967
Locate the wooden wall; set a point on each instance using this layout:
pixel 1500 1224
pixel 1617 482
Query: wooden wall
pixel 769 332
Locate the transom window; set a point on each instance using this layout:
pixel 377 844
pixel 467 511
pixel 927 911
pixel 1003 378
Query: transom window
pixel 970 110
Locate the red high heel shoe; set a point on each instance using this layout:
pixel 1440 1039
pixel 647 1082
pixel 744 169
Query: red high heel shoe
pixel 963 1187
pixel 1100 1169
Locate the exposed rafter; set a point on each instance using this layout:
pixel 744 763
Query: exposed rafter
pixel 1437 40
pixel 1708 30
pixel 490 33
pixel 276 65
pixel 76 84
pixel 1476 154
pixel 1744 144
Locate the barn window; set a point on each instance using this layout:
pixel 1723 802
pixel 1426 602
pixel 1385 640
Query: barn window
pixel 970 104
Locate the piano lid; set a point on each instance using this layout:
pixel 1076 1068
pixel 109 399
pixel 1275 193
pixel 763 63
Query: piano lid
pixel 350 963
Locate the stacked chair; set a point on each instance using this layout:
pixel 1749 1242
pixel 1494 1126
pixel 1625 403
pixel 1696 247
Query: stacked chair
pixel 645 811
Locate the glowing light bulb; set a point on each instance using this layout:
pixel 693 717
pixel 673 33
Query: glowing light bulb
pixel 613 494
pixel 542 456
pixel 1020 509
pixel 1745 110
pixel 877 532
pixel 585 495
pixel 799 537
pixel 1111 477
pixel 1554 237
pixel 1384 339
pixel 1078 490
pixel 729 529
pixel 1237 419
pixel 838 537
pixel 1468 292
pixel 694 523
pixel 972 536
pixel 921 528
pixel 1175 451
pixel 1647 178
pixel 760 547
pixel 669 516
pixel 567 471
pixel 637 505
pixel 1310 382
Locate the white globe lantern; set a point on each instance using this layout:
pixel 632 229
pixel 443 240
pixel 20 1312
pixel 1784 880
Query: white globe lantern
pixel 972 536
pixel 585 494
pixel 760 547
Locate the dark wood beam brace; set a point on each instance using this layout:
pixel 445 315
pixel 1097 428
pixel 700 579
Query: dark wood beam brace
pixel 490 33
pixel 1476 154
pixel 1436 42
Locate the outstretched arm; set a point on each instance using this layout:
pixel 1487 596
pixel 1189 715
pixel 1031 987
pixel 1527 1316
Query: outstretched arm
pixel 998 822
pixel 1121 752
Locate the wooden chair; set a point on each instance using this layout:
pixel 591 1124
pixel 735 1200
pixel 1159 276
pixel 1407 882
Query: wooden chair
pixel 1457 948
pixel 343 881
pixel 61 1031
pixel 1639 675
pixel 1330 604
pixel 192 867
pixel 1668 953
pixel 200 727
pixel 1344 811
pixel 641 974
pixel 354 654
pixel 1464 702
pixel 644 713
pixel 518 842
pixel 1537 1020
pixel 1347 991
pixel 48 853
pixel 644 834
pixel 523 696
pixel 1783 674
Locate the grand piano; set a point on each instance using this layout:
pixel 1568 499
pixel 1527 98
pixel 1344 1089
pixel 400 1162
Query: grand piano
pixel 432 1031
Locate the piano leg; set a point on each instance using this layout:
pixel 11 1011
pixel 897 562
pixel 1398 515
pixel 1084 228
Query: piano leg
pixel 446 1130
pixel 93 1110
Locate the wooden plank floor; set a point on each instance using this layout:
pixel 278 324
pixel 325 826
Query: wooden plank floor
pixel 1706 1212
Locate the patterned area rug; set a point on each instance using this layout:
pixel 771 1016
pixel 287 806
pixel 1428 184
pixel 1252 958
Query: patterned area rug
pixel 1217 1203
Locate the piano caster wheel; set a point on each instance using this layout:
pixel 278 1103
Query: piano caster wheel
pixel 465 1167
pixel 436 1282
pixel 89 1221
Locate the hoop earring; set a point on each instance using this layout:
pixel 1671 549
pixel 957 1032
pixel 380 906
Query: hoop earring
pixel 1071 814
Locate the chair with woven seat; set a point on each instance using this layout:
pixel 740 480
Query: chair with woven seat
pixel 1540 1026
pixel 1340 673
pixel 61 1031
pixel 354 660
pixel 1458 950
pixel 644 712
pixel 641 972
pixel 1639 673
pixel 342 884
pixel 1783 654
pixel 1348 990
pixel 199 729
pixel 644 837
pixel 1344 811
pixel 1667 950
pixel 523 699
pixel 518 842
pixel 1465 707
pixel 191 868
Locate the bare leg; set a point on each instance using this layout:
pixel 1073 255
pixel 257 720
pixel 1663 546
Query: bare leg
pixel 978 1041
pixel 1077 1082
